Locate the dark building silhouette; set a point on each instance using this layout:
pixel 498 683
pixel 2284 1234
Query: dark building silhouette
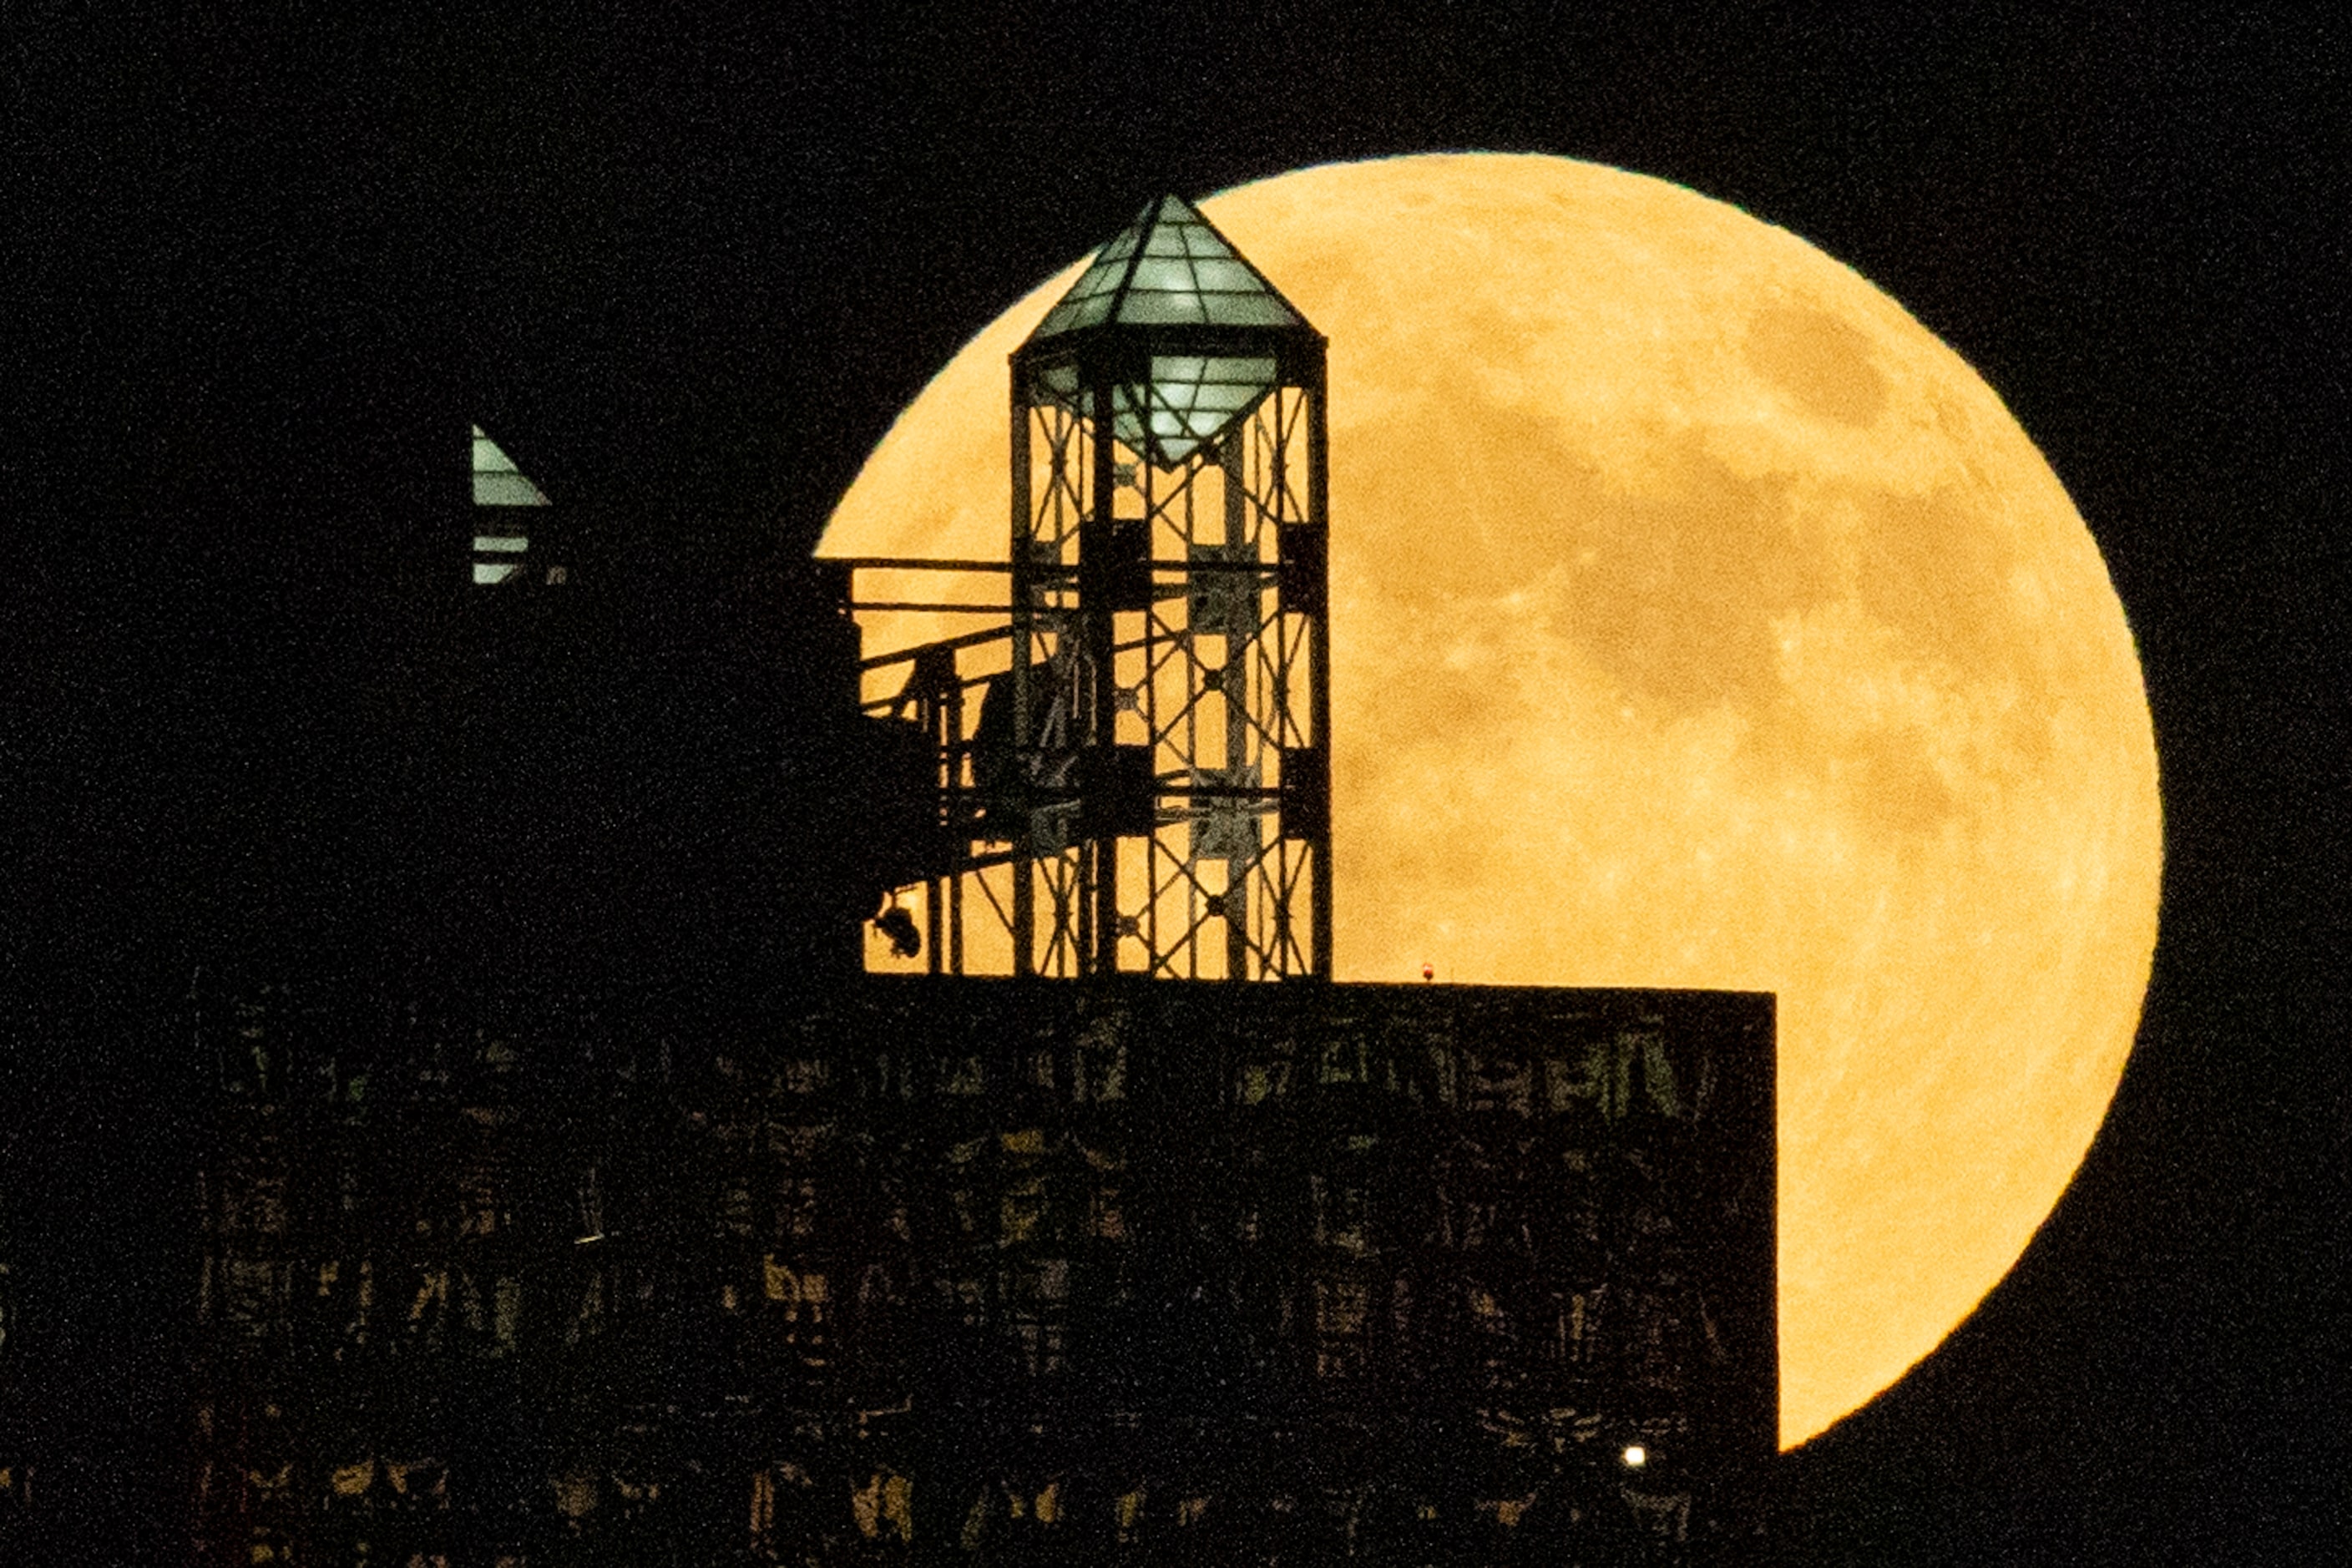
pixel 987 1271
pixel 567 1193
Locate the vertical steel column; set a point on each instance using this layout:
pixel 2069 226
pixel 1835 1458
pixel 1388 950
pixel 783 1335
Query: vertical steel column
pixel 1319 497
pixel 1234 460
pixel 1098 854
pixel 937 730
pixel 1013 769
pixel 949 888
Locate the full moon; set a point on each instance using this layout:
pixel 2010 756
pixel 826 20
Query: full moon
pixel 1698 619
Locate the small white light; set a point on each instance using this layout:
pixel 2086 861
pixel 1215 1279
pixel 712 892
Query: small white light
pixel 1636 1455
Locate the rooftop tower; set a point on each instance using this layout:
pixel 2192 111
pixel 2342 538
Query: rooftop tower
pixel 1145 787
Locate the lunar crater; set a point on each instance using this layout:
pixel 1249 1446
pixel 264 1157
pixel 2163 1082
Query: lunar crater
pixel 1822 361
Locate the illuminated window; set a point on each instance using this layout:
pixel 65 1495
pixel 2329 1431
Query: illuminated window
pixel 500 544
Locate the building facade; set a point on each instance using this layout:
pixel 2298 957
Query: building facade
pixel 931 1269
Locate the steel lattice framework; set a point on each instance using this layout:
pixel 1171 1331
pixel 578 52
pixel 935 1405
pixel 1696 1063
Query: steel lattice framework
pixel 1145 787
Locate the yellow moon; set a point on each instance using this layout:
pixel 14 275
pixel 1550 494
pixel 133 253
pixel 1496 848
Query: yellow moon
pixel 1699 619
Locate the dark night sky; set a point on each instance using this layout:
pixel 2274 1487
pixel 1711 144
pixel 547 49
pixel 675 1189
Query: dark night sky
pixel 696 269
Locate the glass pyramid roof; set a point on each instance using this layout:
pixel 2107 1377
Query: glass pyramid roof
pixel 1169 266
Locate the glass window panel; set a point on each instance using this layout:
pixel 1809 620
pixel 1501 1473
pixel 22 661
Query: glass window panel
pixel 505 490
pixel 1072 314
pixel 1200 240
pixel 1226 275
pixel 1147 310
pixel 488 571
pixel 488 460
pixel 1238 371
pixel 1250 310
pixel 501 544
pixel 1164 241
pixel 1152 272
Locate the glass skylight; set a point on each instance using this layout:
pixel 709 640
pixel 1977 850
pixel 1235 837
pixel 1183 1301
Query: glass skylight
pixel 1169 266
pixel 497 481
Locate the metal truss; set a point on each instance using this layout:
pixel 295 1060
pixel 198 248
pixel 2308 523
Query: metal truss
pixel 1131 774
pixel 1130 767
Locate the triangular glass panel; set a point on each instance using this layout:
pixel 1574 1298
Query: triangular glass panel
pixel 1190 400
pixel 497 481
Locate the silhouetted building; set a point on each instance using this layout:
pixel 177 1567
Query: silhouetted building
pixel 572 1196
pixel 1007 1271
